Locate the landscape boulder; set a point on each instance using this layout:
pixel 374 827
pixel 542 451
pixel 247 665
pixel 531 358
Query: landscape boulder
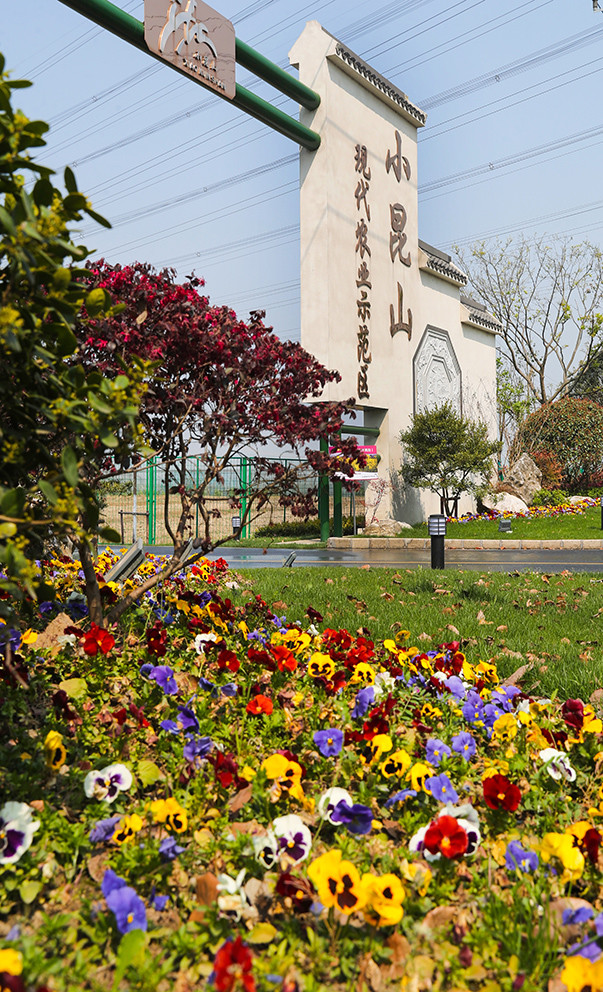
pixel 524 478
pixel 386 528
pixel 504 503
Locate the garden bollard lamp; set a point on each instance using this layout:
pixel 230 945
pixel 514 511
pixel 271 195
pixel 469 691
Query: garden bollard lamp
pixel 236 528
pixel 601 512
pixel 436 527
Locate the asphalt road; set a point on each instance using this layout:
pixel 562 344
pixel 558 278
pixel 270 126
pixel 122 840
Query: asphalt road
pixel 489 561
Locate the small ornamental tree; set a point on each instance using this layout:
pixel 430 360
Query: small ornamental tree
pixel 58 422
pixel 570 429
pixel 222 388
pixel 448 454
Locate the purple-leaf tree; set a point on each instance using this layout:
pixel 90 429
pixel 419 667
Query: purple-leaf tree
pixel 221 388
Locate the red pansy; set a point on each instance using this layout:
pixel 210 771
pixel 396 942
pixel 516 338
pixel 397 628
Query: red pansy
pixel 447 837
pixel 499 793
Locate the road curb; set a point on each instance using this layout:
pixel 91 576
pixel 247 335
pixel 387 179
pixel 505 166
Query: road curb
pixel 424 544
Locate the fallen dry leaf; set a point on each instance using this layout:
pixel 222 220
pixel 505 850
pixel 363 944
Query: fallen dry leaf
pixel 206 888
pixel 240 799
pixel 518 674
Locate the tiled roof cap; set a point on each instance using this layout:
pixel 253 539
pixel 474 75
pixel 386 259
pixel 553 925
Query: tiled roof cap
pixel 381 83
pixel 439 263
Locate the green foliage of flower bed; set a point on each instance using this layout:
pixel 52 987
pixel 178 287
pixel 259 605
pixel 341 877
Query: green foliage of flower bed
pixel 213 796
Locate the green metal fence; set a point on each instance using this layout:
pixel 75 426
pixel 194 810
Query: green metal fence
pixel 133 503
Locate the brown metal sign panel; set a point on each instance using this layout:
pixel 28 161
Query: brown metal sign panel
pixel 195 38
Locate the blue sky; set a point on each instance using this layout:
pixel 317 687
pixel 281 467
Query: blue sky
pixel 512 143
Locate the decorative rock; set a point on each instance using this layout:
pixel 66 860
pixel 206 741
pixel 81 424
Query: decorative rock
pixel 524 478
pixel 386 528
pixel 504 503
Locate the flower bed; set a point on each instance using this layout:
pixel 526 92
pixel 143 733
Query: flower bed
pixel 215 796
pixel 532 512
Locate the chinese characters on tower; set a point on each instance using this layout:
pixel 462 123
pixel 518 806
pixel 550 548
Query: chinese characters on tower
pixel 398 171
pixel 397 163
pixel 363 283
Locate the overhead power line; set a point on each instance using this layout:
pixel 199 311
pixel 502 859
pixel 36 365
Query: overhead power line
pixel 494 76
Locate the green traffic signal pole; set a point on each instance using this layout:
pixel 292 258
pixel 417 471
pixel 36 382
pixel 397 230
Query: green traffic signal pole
pixel 113 19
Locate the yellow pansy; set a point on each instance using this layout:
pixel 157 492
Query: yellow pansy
pixel 11 961
pixel 505 727
pixel 487 672
pixel 592 724
pixel 321 666
pixel 363 673
pixel 579 973
pixel 385 895
pixel 418 773
pixel 54 750
pixel 379 745
pixel 418 874
pixel 495 766
pixel 430 712
pixel 562 846
pixel 29 636
pixel 338 882
pixel 127 828
pixel 170 812
pixel 396 763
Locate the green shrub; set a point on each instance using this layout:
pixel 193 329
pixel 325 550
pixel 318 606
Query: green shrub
pixel 113 487
pixel 570 428
pixel 300 529
pixel 550 497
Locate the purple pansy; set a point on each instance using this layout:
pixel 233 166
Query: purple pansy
pixel 196 749
pixel 159 902
pixel 400 797
pixel 104 830
pixel 517 859
pixel 329 742
pixel 435 751
pixel 364 699
pixel 169 849
pixel 128 909
pixel 441 788
pixel 163 675
pixel 185 720
pixel 229 689
pixel 357 818
pixel 473 708
pixel 573 916
pixel 111 881
pixel 464 744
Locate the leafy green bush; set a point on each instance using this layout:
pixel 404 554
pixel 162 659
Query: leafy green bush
pixel 115 487
pixel 301 529
pixel 549 497
pixel 570 428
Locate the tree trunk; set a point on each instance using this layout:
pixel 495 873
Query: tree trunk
pixel 93 596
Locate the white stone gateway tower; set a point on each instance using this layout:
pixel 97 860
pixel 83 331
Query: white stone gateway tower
pixel 377 304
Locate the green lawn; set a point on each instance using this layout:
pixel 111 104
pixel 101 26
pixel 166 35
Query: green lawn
pixel 579 526
pixel 551 622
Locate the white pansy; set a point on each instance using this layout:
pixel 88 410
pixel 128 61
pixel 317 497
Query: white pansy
pixel 294 838
pixel 557 764
pixel 106 784
pixel 16 831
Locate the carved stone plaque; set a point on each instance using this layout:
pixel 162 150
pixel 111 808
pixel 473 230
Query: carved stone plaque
pixel 195 38
pixel 436 372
